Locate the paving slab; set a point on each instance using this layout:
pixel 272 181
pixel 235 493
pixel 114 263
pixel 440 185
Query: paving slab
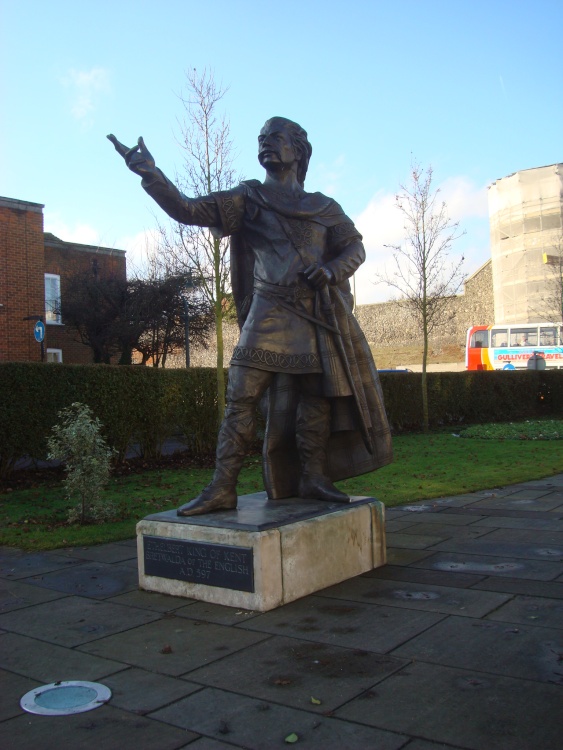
pixel 151 600
pixel 13 688
pixel 528 501
pixel 524 535
pixel 527 522
pixel 412 541
pixel 216 613
pixel 488 565
pixel 531 610
pixel 344 623
pixel 421 506
pixel 463 708
pixel 424 745
pixel 47 662
pixel 419 575
pixel 107 727
pixel 173 645
pixel 459 501
pixel 453 516
pixel 16 595
pixel 530 492
pixel 107 553
pixel 206 743
pixel 259 725
pixel 395 513
pixel 448 531
pixel 517 550
pixel 314 677
pixel 15 564
pixel 548 515
pixel 141 692
pixel 448 600
pixel 128 543
pixel 550 589
pixel 95 580
pixel 405 556
pixel 398 525
pixel 523 651
pixel 74 620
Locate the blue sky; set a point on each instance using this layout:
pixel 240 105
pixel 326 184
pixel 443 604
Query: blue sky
pixel 472 88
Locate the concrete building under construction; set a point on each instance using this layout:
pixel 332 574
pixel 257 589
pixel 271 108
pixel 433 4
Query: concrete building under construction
pixel 526 210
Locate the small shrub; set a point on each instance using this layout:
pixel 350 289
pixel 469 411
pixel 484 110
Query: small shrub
pixel 77 442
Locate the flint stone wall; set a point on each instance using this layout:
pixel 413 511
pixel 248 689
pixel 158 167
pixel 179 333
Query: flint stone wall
pixel 391 324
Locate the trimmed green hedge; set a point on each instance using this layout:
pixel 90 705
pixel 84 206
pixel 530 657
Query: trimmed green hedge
pixel 141 405
pixel 472 397
pixel 146 405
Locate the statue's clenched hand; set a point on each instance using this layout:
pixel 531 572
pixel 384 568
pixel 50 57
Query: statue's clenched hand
pixel 139 159
pixel 318 276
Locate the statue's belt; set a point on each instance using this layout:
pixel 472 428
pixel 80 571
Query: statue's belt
pixel 284 296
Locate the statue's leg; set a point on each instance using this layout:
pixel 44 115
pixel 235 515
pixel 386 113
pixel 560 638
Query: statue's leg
pixel 312 434
pixel 246 386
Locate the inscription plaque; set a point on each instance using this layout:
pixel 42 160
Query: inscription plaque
pixel 200 562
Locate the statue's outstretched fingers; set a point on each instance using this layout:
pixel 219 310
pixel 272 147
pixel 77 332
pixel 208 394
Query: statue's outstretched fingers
pixel 121 148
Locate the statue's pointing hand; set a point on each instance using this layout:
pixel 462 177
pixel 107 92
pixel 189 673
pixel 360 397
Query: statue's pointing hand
pixel 139 159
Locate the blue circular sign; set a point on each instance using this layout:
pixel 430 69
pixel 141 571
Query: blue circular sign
pixel 39 331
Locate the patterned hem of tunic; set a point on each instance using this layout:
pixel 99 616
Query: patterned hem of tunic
pixel 264 359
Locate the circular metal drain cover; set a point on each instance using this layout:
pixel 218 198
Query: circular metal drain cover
pixel 65 698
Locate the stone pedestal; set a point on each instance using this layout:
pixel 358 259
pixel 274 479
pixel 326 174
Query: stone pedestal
pixel 263 554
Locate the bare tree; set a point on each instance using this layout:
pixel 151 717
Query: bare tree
pixel 205 140
pixel 165 301
pixel 93 306
pixel 423 274
pixel 112 315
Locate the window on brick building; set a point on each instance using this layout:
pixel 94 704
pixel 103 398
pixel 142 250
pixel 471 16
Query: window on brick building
pixel 54 355
pixel 52 298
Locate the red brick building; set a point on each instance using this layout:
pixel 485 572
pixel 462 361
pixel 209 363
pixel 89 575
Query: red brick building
pixel 33 268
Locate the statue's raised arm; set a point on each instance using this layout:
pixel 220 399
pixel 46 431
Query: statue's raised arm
pixel 139 159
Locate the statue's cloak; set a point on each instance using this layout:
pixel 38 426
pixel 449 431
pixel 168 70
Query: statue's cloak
pixel 360 439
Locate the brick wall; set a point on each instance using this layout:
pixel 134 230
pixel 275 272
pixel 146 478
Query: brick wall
pixel 66 259
pixel 26 255
pixel 21 278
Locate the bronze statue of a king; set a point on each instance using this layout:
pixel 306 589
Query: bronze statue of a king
pixel 292 254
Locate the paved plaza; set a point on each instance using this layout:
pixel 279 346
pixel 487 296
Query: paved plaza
pixel 456 643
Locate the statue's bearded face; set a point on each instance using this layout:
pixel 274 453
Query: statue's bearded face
pixel 275 146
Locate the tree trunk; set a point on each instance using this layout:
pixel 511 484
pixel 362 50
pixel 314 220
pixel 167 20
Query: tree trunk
pixel 219 332
pixel 424 381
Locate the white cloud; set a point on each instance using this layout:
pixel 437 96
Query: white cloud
pixel 87 87
pixel 464 199
pixel 381 223
pixel 84 234
pixel 328 176
pixel 139 249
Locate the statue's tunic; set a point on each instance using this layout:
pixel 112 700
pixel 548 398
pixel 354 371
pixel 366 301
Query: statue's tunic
pixel 285 327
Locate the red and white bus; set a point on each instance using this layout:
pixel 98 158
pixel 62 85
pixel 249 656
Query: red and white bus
pixel 515 346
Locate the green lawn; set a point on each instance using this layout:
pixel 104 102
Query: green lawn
pixel 425 467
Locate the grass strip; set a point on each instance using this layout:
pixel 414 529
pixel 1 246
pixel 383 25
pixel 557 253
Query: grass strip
pixel 531 429
pixel 425 467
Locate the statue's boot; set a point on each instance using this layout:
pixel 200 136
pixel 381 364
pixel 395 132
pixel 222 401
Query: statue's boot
pixel 235 435
pixel 312 434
